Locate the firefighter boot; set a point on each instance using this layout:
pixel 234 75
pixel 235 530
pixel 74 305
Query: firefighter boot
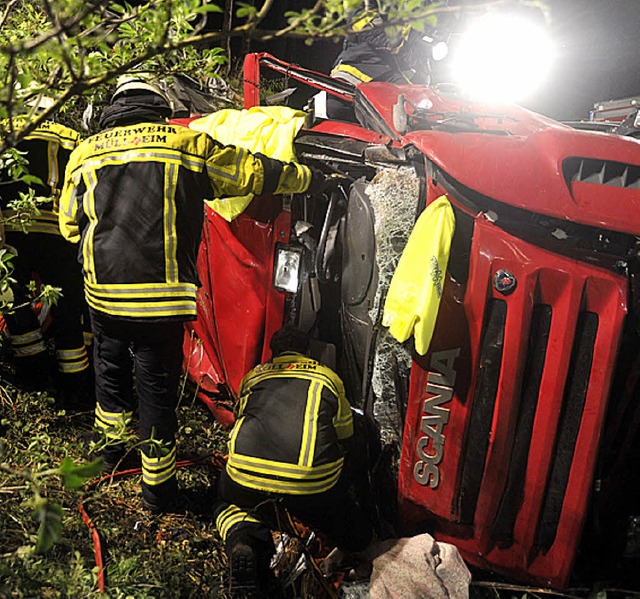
pixel 249 547
pixel 243 575
pixel 117 459
pixel 76 392
pixel 162 498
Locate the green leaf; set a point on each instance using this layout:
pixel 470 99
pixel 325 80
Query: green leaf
pixel 50 517
pixel 23 80
pixel 50 294
pixel 208 8
pixel 31 180
pixel 246 10
pixel 74 476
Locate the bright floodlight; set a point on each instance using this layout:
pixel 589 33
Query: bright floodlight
pixel 502 58
pixel 439 51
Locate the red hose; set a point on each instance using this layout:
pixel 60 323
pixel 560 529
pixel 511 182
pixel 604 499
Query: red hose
pixel 217 459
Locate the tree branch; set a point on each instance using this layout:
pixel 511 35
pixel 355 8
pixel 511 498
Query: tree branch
pixel 62 37
pixel 295 24
pixel 260 15
pixel 29 46
pixel 7 12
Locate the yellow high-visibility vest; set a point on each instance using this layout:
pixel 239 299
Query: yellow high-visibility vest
pixel 269 130
pixel 413 300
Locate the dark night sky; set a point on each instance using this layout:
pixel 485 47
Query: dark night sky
pixel 598 56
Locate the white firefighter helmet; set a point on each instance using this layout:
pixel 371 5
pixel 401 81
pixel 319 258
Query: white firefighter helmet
pixel 137 83
pixel 41 102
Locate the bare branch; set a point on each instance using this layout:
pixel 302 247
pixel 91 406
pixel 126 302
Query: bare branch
pixel 203 20
pixel 295 24
pixel 262 13
pixel 167 29
pixel 253 22
pixel 7 12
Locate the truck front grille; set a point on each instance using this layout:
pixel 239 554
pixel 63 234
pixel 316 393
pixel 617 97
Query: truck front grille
pixel 521 434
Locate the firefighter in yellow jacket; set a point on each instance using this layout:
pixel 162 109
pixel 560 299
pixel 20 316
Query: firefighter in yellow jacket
pixel 43 250
pixel 293 432
pixel 133 202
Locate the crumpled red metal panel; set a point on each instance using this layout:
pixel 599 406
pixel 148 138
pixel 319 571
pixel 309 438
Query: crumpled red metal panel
pixel 521 158
pixel 238 308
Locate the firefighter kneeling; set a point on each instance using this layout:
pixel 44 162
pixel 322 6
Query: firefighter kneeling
pixel 288 446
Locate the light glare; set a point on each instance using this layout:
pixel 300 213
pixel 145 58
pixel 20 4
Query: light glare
pixel 439 51
pixel 502 58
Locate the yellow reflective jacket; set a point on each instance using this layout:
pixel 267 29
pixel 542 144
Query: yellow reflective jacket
pixel 269 130
pixel 47 149
pixel 133 197
pixel 412 303
pixel 292 414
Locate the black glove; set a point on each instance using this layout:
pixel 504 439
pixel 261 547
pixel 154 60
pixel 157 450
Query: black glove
pixel 322 183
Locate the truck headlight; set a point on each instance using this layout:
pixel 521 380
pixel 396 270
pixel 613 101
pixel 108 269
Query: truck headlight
pixel 286 270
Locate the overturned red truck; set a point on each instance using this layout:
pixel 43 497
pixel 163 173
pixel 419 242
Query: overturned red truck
pixel 514 436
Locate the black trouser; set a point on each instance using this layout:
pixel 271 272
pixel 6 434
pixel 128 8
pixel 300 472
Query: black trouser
pixel 157 362
pixel 54 260
pixel 333 512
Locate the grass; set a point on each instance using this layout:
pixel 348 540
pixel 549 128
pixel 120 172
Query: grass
pixel 145 557
pixel 172 555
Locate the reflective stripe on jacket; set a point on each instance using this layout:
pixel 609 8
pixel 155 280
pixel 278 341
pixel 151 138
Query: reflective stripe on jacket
pixel 133 199
pixel 47 148
pixel 292 415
